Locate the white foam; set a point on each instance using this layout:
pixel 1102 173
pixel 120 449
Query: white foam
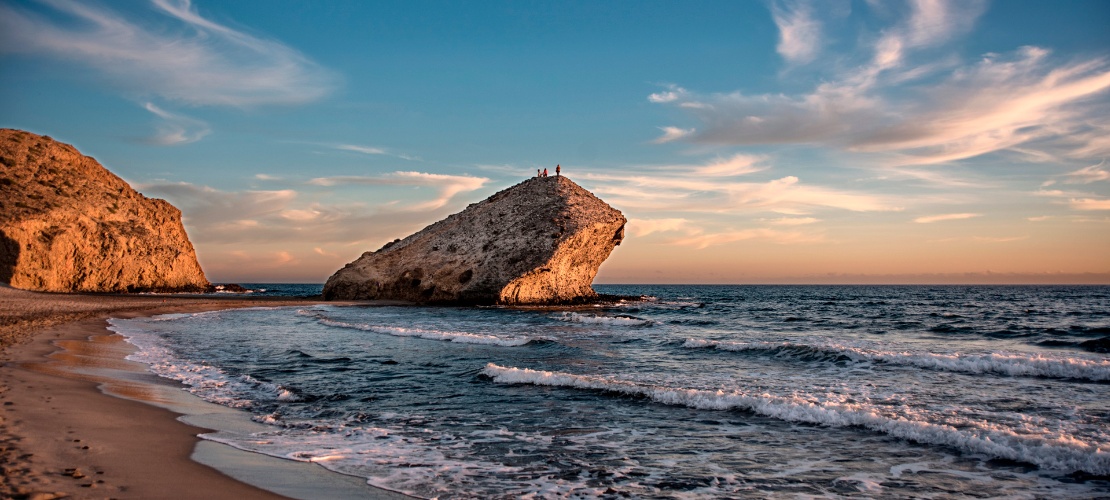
pixel 620 320
pixel 458 337
pixel 208 382
pixel 1012 364
pixel 1061 452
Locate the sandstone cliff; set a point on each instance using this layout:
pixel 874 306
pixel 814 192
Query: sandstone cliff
pixel 69 225
pixel 539 242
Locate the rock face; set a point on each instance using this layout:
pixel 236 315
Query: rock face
pixel 69 225
pixel 539 242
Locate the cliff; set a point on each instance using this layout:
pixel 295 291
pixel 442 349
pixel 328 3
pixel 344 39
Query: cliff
pixel 67 224
pixel 539 242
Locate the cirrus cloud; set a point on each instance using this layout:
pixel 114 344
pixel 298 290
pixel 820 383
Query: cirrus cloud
pixel 185 58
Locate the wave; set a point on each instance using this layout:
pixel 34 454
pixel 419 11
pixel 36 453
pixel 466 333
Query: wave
pixel 457 337
pixel 619 320
pixel 208 382
pixel 1064 453
pixel 1015 365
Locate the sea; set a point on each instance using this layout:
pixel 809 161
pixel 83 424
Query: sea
pixel 691 392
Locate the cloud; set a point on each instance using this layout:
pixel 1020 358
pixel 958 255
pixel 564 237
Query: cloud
pixel 672 134
pixel 369 150
pixel 921 112
pixel 740 164
pixel 1087 175
pixel 682 191
pixel 671 95
pixel 182 57
pixel 447 185
pixel 1089 204
pixel 1039 218
pixel 644 227
pixel 702 241
pixel 799 32
pixel 361 149
pixel 944 217
pixel 792 221
pixel 219 218
pixel 176 129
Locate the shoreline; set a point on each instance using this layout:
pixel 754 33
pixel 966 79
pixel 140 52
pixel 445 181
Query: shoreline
pixel 80 421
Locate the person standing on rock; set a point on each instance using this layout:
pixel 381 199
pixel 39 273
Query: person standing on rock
pixel 545 172
pixel 537 172
pixel 558 169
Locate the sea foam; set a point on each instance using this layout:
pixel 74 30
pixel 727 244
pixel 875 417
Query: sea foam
pixel 1064 453
pixel 397 331
pixel 1012 364
pixel 596 319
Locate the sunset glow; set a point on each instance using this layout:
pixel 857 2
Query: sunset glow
pixel 746 142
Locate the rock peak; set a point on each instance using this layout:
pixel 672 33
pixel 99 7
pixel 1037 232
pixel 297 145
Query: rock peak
pixel 538 242
pixel 67 224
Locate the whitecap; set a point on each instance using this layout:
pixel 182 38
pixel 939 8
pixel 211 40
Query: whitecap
pixel 1060 452
pixel 1012 364
pixel 596 319
pixel 397 331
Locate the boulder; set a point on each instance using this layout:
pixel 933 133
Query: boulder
pixel 67 224
pixel 538 242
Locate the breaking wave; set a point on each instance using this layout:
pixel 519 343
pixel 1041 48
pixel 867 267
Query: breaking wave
pixel 618 320
pixel 397 331
pixel 1062 452
pixel 1026 365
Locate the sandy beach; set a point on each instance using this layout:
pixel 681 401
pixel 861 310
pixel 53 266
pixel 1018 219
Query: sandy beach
pixel 62 436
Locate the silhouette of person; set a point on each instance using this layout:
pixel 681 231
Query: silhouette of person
pixel 545 172
pixel 537 172
pixel 558 169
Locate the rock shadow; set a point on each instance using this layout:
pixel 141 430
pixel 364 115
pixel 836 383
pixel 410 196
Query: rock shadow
pixel 9 256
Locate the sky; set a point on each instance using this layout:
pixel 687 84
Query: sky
pixel 920 141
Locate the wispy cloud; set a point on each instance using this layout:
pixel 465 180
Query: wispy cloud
pixel 644 227
pixel 924 112
pixel 370 150
pixel 185 57
pixel 1087 175
pixel 799 31
pixel 447 186
pixel 680 191
pixel 928 219
pixel 672 133
pixel 1089 204
pixel 792 221
pixel 176 128
pixel 217 217
pixel 701 241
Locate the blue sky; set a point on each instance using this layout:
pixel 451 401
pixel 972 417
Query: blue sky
pixel 747 142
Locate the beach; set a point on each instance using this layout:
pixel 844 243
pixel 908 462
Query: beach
pixel 62 436
pixel 693 392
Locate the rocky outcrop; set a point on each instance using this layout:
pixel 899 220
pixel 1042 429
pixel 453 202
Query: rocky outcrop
pixel 69 225
pixel 539 242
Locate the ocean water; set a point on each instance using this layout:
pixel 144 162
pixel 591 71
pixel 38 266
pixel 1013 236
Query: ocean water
pixel 697 392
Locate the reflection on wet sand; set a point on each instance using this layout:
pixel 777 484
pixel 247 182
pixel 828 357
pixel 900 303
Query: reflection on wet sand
pixel 100 359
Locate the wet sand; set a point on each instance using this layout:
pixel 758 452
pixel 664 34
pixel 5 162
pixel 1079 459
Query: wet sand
pixel 78 420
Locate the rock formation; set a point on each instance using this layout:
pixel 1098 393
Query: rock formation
pixel 539 242
pixel 69 225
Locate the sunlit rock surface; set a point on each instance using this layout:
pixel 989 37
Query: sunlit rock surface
pixel 539 242
pixel 67 224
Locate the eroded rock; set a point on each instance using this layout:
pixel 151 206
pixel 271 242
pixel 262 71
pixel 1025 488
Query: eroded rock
pixel 539 242
pixel 67 224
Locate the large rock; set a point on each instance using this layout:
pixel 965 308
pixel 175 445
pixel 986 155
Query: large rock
pixel 539 242
pixel 69 225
